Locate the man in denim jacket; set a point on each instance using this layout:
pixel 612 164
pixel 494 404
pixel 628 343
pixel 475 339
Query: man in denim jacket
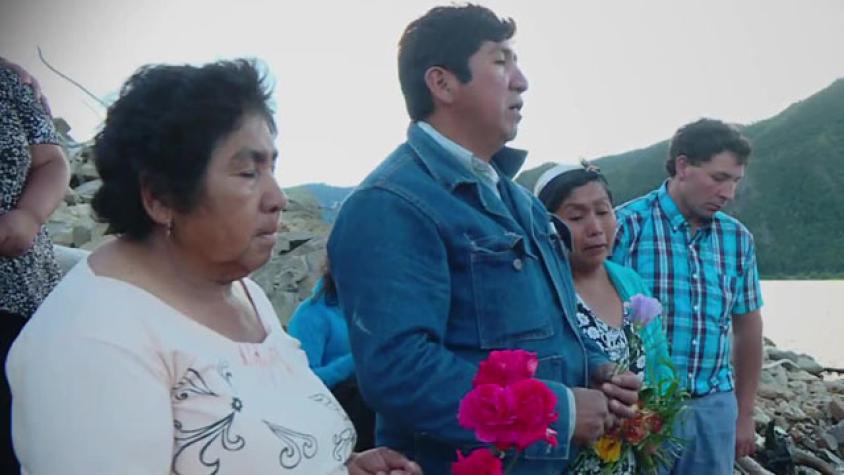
pixel 440 258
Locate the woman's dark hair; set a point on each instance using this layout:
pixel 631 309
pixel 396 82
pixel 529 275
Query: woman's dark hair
pixel 445 37
pixel 161 132
pixel 560 187
pixel 329 288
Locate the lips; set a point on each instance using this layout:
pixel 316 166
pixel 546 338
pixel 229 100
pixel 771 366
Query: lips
pixel 268 231
pixel 595 248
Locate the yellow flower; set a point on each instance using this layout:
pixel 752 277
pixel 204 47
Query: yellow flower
pixel 608 448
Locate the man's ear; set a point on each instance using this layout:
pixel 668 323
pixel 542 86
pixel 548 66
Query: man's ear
pixel 158 210
pixel 442 83
pixel 681 166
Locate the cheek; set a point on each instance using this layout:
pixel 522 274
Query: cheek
pixel 609 225
pixel 706 189
pixel 577 233
pixel 228 228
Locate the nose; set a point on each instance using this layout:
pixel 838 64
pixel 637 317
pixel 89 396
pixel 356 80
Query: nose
pixel 518 81
pixel 593 225
pixel 275 200
pixel 728 191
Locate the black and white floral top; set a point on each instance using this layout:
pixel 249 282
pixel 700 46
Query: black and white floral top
pixel 24 280
pixel 614 342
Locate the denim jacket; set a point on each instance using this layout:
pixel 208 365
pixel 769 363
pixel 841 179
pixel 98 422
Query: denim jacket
pixel 434 271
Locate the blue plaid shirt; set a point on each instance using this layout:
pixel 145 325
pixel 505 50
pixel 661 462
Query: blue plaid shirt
pixel 702 280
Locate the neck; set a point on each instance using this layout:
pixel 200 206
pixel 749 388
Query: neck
pixel 185 270
pixel 459 132
pixel 587 274
pixel 675 195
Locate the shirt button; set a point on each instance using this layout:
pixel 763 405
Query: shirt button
pixel 694 342
pixel 695 307
pixel 517 264
pixel 694 275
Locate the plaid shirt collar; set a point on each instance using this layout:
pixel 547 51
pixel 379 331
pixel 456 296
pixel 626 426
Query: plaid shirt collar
pixel 672 212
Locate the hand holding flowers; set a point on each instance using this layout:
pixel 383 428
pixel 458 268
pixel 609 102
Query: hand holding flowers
pixel 644 436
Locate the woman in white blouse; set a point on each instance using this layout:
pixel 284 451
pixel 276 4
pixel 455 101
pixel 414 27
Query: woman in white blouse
pixel 157 354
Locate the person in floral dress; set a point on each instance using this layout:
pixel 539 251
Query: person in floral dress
pixel 580 196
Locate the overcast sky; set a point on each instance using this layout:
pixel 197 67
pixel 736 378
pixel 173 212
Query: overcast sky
pixel 605 76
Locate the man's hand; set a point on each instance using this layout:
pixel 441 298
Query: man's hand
pixel 29 79
pixel 622 390
pixel 593 417
pixel 745 436
pixel 18 229
pixel 381 461
pixel 747 358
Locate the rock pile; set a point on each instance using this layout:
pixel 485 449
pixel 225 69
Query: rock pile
pixel 799 417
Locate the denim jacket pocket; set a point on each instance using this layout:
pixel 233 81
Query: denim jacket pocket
pixel 506 285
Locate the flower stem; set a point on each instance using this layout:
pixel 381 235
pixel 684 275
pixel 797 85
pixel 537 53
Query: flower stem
pixel 512 462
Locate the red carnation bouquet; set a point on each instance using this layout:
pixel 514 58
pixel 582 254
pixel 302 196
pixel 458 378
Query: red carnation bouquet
pixel 507 408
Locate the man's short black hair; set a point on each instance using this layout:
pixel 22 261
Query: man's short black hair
pixel 699 141
pixel 445 37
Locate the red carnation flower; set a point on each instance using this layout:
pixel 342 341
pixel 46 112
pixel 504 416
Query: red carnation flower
pixel 479 462
pixel 506 367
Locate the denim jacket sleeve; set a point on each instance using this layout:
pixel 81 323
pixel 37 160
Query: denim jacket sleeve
pixel 394 285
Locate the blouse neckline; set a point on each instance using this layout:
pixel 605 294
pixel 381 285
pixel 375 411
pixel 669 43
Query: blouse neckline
pixel 268 329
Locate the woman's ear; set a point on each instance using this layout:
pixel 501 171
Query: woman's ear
pixel 158 211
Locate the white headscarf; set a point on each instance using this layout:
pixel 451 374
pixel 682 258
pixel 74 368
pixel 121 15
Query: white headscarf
pixel 552 173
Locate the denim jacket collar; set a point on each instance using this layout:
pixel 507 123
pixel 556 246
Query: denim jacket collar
pixel 451 173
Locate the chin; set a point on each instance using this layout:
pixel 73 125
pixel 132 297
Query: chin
pixel 259 260
pixel 252 260
pixel 705 215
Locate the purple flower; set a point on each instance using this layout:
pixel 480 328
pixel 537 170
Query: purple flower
pixel 643 309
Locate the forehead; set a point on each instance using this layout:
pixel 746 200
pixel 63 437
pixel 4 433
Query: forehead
pixel 493 48
pixel 587 194
pixel 252 132
pixel 724 162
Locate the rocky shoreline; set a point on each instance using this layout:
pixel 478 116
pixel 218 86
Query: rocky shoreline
pixel 800 406
pixel 799 417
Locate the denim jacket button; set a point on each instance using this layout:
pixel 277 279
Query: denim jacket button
pixel 517 264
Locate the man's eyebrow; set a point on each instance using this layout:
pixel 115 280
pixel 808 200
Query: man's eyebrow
pixel 722 174
pixel 255 155
pixel 508 52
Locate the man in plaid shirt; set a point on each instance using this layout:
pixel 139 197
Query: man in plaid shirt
pixel 701 264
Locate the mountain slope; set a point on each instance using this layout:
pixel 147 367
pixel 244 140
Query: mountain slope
pixel 792 198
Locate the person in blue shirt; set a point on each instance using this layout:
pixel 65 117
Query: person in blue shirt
pixel 318 323
pixel 701 264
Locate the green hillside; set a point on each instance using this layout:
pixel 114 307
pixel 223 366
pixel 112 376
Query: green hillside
pixel 792 198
